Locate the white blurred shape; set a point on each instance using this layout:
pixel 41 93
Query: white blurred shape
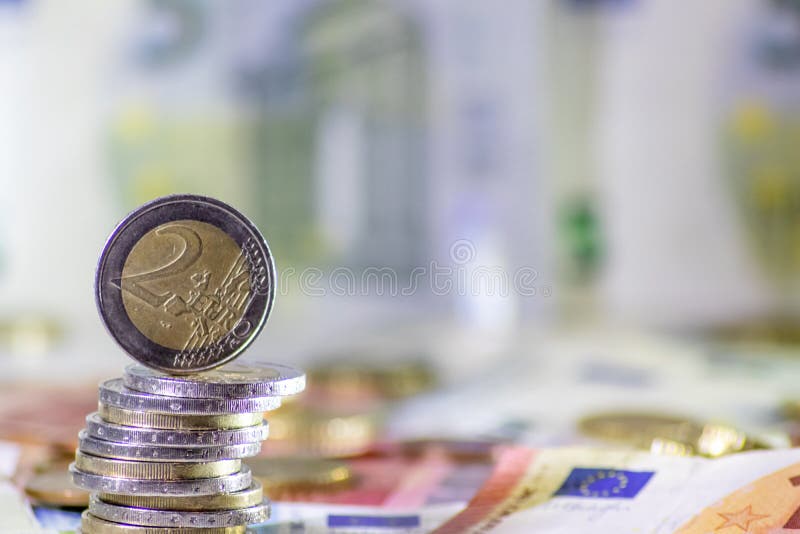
pixel 339 171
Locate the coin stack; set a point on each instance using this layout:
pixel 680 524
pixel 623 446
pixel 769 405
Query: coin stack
pixel 184 285
pixel 165 451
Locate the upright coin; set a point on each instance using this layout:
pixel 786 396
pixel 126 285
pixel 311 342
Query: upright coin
pixel 185 283
pixel 235 380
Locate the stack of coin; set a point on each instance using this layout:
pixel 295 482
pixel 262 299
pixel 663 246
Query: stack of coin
pixel 184 285
pixel 166 451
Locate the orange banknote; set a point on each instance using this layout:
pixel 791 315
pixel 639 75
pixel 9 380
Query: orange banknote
pixel 606 491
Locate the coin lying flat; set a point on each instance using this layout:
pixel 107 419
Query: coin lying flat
pixel 251 496
pixel 235 380
pixel 358 376
pixel 122 416
pixel 284 476
pixel 112 467
pixel 98 428
pixel 162 453
pixel 138 486
pixel 178 518
pixel 185 283
pixel 113 393
pixel 54 487
pixel 667 434
pixel 313 431
pixel 95 525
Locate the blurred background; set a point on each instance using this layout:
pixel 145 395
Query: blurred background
pixel 454 191
pixel 632 160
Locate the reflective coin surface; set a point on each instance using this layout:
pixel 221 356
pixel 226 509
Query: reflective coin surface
pixel 150 517
pixel 101 429
pixel 668 434
pixel 113 393
pixel 161 453
pixel 251 496
pixel 238 380
pixel 151 487
pixel 93 524
pixel 185 283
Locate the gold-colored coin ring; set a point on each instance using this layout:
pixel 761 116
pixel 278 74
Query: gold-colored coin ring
pixel 54 487
pixel 154 470
pixel 95 525
pixel 141 419
pixel 252 496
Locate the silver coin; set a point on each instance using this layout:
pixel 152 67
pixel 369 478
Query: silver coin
pixel 135 486
pixel 185 283
pixel 235 380
pixel 114 393
pixel 162 453
pixel 251 496
pixel 98 428
pixel 178 519
pixel 91 524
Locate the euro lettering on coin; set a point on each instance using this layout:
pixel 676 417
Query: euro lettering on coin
pixel 185 283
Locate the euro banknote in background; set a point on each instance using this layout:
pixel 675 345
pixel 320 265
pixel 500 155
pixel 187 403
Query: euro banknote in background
pixel 15 512
pixel 568 490
pixel 554 491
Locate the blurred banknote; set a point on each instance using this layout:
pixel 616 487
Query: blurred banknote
pixel 308 518
pixel 45 415
pixel 394 475
pixel 604 491
pixel 15 514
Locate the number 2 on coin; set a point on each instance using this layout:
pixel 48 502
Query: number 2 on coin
pixel 192 248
